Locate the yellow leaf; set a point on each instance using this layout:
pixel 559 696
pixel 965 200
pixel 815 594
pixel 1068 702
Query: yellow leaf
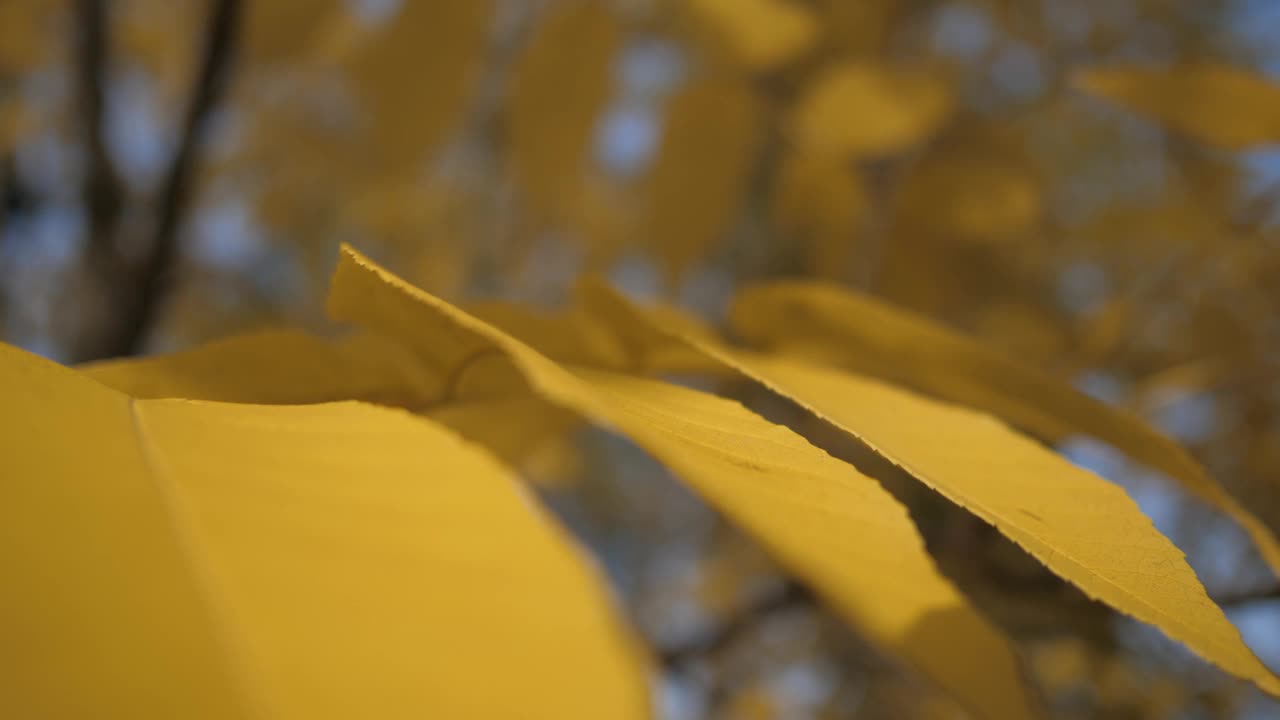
pixel 292 367
pixel 870 336
pixel 701 171
pixel 522 429
pixel 860 109
pixel 170 558
pixel 561 82
pixel 833 527
pixel 761 34
pixel 1080 526
pixel 415 76
pixel 1222 105
pixel 275 367
pixel 571 337
pixel 974 189
pixel 820 201
pixel 578 336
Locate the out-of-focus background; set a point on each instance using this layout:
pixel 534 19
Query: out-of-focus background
pixel 173 171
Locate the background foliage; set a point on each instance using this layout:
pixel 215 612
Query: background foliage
pixel 174 171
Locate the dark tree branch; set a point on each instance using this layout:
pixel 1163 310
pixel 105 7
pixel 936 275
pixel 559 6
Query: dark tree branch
pixel 719 638
pixel 142 301
pixel 101 191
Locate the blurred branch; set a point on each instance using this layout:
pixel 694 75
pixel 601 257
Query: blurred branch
pixel 143 299
pixel 716 639
pixel 101 191
pixel 1235 600
pixel 11 197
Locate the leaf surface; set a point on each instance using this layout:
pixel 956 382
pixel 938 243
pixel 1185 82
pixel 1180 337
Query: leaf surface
pixel 275 367
pixel 870 336
pixel 282 367
pixel 171 558
pixel 833 527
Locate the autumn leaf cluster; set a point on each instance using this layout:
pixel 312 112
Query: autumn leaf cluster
pixel 907 259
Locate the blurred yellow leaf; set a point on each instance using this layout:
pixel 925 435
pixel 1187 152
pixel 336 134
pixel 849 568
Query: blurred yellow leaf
pixel 761 34
pixel 561 83
pixel 972 190
pixel 860 109
pixel 415 75
pixel 867 335
pixel 833 527
pixel 699 177
pixel 171 558
pixel 1226 106
pixel 820 201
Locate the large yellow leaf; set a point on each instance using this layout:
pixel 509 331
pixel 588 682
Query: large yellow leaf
pixel 561 83
pixel 1080 526
pixel 870 336
pixel 833 527
pixel 860 109
pixel 168 558
pixel 1230 107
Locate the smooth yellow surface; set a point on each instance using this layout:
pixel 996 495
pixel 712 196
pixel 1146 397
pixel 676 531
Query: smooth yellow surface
pixel 275 367
pixel 169 558
pixel 1226 106
pixel 833 527
pixel 867 335
pixel 282 367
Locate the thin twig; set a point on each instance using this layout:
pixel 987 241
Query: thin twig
pixel 153 275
